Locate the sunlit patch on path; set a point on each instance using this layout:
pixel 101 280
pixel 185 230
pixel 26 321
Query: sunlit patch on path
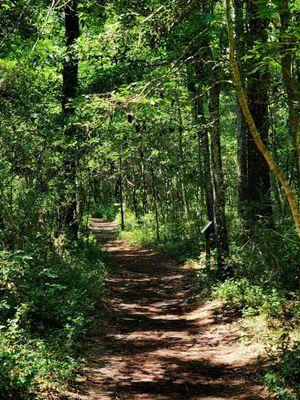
pixel 157 345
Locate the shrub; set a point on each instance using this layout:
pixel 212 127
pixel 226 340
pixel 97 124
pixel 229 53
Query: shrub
pixel 106 211
pixel 27 363
pixel 47 302
pixel 239 294
pixel 283 382
pixel 270 258
pixel 242 295
pixel 177 237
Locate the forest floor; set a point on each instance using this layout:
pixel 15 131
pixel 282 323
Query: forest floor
pixel 155 341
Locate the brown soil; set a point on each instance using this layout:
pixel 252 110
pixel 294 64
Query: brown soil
pixel 155 343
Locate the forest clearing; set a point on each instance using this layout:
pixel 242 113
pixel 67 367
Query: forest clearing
pixel 149 199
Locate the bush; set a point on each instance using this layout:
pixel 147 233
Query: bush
pixel 284 382
pixel 106 211
pixel 281 310
pixel 242 295
pixel 47 302
pixel 27 364
pixel 270 258
pixel 177 237
pixel 239 294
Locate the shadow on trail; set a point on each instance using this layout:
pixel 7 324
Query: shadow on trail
pixel 151 350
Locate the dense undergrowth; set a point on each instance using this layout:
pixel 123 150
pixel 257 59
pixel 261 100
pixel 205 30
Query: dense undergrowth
pixel 132 102
pixel 48 299
pixel 270 315
pixel 263 288
pixel 181 240
pixel 105 211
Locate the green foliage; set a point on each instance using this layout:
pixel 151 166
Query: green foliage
pixel 177 237
pixel 109 211
pixel 26 363
pixel 271 257
pixel 282 312
pixel 47 303
pixel 239 294
pixel 242 295
pixel 283 382
pixel 137 127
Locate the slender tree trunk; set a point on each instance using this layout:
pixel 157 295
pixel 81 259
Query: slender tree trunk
pixel 206 163
pixel 259 185
pixel 121 192
pixel 70 86
pixel 144 183
pixel 242 127
pixel 155 200
pixel 288 46
pixel 253 129
pixel 2 224
pixel 218 181
pixel 134 193
pixel 203 144
pixel 181 160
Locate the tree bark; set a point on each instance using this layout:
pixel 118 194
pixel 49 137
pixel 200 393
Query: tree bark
pixel 242 127
pixel 203 143
pixel 121 197
pixel 155 200
pixel 70 86
pixel 181 159
pixel 259 184
pixel 144 182
pixel 253 129
pixel 217 173
pixel 288 46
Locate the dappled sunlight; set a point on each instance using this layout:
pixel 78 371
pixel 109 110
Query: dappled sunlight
pixel 157 345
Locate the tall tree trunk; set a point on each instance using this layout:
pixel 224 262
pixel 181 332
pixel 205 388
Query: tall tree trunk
pixel 252 127
pixel 203 142
pixel 155 200
pixel 259 185
pixel 288 46
pixel 242 127
pixel 181 160
pixel 121 197
pixel 70 86
pixel 218 181
pixel 144 182
pixel 206 165
pixel 134 192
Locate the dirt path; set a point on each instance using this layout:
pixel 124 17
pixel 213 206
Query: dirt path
pixel 157 345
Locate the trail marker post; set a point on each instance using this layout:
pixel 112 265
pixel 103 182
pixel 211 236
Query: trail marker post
pixel 207 231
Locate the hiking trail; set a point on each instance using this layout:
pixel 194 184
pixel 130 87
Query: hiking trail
pixel 155 342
